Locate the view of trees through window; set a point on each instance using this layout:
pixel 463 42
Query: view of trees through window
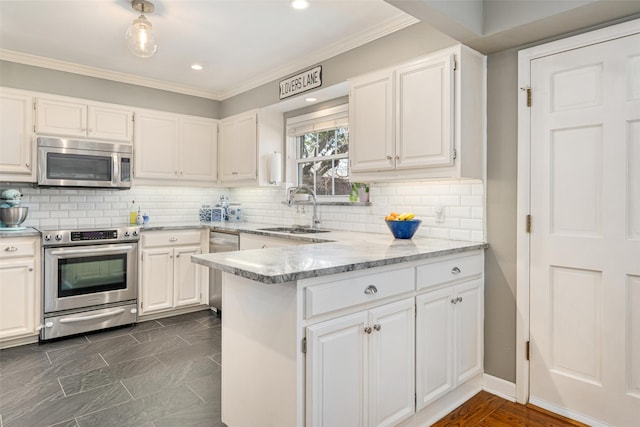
pixel 323 161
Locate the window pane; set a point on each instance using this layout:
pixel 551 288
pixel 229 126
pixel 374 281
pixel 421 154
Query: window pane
pixel 308 145
pixel 306 174
pixel 342 184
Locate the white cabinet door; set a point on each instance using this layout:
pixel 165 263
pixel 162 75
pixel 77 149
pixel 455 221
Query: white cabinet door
pixel 17 298
pixel 238 148
pixel 254 241
pixel 424 113
pixel 155 144
pixel 55 117
pixel 156 290
pixel 198 149
pixel 187 276
pixel 434 346
pixel 371 122
pixel 391 367
pixel 468 327
pixel 113 124
pixel 16 143
pixel 337 372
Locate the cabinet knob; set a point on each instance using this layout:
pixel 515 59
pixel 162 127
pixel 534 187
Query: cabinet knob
pixel 455 270
pixel 28 165
pixel 173 239
pixel 377 327
pixel 181 173
pixel 263 246
pixel 371 290
pixel 454 301
pixel 30 269
pixel 90 130
pixel 459 299
pixel 178 256
pixel 389 157
pixel 367 329
pixel 397 157
pixel 11 249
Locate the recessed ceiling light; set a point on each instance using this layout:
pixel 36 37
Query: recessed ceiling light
pixel 300 4
pixel 311 99
pixel 196 67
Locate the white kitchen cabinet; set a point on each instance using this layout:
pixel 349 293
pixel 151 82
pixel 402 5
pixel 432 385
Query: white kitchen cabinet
pixel 17 153
pixel 77 118
pixel 255 241
pixel 174 147
pixel 449 328
pixel 246 142
pixel 360 367
pixel 19 288
pixel 168 279
pixel 421 119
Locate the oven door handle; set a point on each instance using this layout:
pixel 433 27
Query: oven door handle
pixel 90 251
pixel 92 316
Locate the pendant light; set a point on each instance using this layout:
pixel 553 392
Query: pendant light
pixel 140 40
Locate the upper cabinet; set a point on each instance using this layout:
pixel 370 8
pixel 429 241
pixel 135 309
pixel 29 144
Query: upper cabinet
pixel 246 142
pixel 175 147
pixel 421 119
pixel 17 153
pixel 77 118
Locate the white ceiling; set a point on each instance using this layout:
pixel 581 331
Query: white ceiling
pixel 240 43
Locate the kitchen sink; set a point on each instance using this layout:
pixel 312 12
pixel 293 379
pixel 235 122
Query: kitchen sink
pixel 294 230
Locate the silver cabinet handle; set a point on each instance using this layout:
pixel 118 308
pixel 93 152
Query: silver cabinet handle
pixel 178 256
pixel 173 239
pixel 455 270
pixel 30 269
pixel 389 157
pixel 371 290
pixel 28 165
pixel 377 327
pixel 454 301
pixel 263 246
pixel 11 249
pixel 367 329
pixel 459 299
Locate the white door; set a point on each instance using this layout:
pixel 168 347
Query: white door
pixel 156 291
pixel 337 372
pixel 246 148
pixel 17 298
pixel 16 128
pixel 392 368
pixel 61 118
pixel 156 136
pixel 198 149
pixel 113 124
pixel 585 238
pixel 468 319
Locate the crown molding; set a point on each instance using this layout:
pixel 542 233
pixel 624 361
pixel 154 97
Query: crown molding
pixel 84 70
pixel 375 32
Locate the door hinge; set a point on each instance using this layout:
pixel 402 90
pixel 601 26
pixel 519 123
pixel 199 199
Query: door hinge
pixel 527 350
pixel 455 64
pixel 528 90
pixel 141 305
pixel 34 105
pixel 455 154
pixel 528 223
pixel 304 345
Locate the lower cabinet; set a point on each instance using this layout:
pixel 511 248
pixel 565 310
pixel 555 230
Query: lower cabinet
pixel 360 367
pixel 169 280
pixel 19 292
pixel 254 241
pixel 449 325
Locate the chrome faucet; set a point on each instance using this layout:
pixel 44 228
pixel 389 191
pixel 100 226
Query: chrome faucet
pixel 305 189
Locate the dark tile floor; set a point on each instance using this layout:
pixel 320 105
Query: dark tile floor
pixel 163 372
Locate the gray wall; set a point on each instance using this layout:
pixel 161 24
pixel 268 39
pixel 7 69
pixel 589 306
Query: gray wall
pixel 500 258
pixel 39 79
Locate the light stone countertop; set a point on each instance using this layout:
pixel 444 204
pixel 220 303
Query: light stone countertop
pixel 341 251
pixel 27 232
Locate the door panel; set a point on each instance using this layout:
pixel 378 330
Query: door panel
pixel 585 246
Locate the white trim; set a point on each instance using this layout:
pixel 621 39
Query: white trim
pixel 577 416
pixel 503 388
pixel 100 73
pixel 524 161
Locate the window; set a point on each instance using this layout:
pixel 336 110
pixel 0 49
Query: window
pixel 320 142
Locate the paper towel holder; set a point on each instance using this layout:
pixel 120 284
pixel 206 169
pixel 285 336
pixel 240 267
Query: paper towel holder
pixel 275 168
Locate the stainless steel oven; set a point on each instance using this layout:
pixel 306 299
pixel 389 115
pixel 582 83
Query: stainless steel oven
pixel 89 280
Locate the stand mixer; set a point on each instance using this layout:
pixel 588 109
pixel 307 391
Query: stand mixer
pixel 11 213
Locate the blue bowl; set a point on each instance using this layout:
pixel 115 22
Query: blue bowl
pixel 404 229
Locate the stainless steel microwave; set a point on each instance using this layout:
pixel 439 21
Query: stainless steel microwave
pixel 83 163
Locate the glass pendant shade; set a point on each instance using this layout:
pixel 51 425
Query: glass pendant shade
pixel 140 40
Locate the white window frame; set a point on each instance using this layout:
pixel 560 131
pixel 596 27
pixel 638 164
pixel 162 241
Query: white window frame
pixel 318 120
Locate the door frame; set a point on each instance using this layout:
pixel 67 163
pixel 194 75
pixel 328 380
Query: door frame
pixel 524 180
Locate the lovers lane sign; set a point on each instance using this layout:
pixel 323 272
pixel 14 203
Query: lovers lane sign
pixel 301 82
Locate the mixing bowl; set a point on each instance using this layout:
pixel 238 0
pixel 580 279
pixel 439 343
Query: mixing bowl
pixel 13 217
pixel 403 229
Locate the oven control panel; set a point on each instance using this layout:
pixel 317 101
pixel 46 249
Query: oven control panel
pixel 85 237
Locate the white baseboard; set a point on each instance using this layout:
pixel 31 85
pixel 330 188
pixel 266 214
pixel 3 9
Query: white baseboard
pixel 567 412
pixel 499 387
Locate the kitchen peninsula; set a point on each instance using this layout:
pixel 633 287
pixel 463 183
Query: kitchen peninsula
pixel 361 330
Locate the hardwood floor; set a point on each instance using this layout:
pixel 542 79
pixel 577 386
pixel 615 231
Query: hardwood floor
pixel 485 409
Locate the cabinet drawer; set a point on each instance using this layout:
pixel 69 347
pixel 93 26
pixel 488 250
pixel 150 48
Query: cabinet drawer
pixel 171 238
pixel 15 248
pixel 340 294
pixel 449 270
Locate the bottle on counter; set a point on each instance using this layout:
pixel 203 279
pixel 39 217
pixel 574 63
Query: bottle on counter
pixel 133 212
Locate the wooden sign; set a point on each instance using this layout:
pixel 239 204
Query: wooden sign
pixel 301 82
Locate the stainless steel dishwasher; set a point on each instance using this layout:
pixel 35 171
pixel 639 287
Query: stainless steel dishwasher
pixel 220 242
